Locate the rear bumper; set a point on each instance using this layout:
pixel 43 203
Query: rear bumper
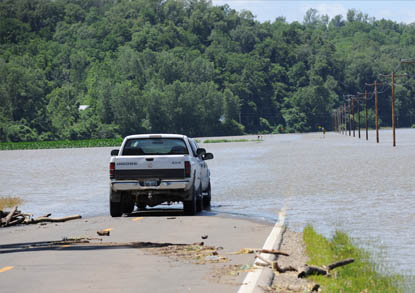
pixel 124 185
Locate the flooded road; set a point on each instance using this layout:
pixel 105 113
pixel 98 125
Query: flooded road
pixel 336 182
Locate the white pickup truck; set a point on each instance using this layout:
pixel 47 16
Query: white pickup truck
pixel 151 169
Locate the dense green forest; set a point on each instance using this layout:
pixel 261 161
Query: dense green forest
pixel 187 67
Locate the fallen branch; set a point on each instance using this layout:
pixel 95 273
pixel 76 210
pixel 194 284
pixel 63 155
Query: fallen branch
pixel 5 221
pixel 314 270
pixel 52 220
pixel 340 263
pixel 279 269
pixel 273 251
pixel 17 221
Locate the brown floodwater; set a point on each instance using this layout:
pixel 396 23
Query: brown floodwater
pixel 335 182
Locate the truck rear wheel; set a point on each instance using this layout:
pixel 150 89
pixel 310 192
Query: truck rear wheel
pixel 115 209
pixel 207 197
pixel 115 204
pixel 199 200
pixel 189 206
pixel 127 202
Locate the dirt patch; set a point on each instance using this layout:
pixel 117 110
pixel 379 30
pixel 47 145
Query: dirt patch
pixel 195 253
pixel 229 274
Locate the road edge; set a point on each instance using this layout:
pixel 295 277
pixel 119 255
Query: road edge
pixel 263 276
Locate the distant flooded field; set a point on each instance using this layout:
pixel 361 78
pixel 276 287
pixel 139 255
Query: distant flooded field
pixel 335 182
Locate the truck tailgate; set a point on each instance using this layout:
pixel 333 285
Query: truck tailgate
pixel 142 167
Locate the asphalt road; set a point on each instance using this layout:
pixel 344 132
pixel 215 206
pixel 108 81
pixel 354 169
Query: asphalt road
pixel 134 258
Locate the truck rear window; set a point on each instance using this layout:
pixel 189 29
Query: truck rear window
pixel 154 146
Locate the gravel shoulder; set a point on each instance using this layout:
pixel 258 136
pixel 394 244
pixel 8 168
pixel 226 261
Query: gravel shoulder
pixel 286 282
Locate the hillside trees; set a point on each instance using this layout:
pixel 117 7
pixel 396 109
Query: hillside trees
pixel 185 66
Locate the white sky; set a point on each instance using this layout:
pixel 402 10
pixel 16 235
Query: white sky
pixel 294 10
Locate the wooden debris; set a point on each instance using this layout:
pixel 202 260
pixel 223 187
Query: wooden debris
pixel 9 216
pixel 273 251
pixel 314 270
pixel 315 288
pixel 253 250
pixel 340 263
pixel 52 220
pixel 103 232
pixel 279 269
pixel 15 217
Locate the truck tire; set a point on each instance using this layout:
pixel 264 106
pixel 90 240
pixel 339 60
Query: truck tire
pixel 207 198
pixel 127 203
pixel 115 207
pixel 189 206
pixel 199 200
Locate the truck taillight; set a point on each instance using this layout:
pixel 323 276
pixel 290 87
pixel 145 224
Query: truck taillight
pixel 187 169
pixel 112 170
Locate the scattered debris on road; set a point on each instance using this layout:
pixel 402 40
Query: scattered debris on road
pixel 196 252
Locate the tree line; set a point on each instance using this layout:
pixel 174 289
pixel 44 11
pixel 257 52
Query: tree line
pixel 186 67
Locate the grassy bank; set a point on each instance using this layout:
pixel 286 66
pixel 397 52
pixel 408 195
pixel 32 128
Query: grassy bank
pixel 9 202
pixel 88 143
pixel 361 276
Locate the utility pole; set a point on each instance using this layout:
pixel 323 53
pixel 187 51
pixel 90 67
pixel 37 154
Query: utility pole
pixel 351 110
pixel 353 118
pixel 358 111
pixel 344 118
pixel 375 84
pixel 393 75
pixel 367 124
pixel 350 120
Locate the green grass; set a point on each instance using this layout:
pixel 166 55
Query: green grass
pixel 9 202
pixel 361 275
pixel 88 143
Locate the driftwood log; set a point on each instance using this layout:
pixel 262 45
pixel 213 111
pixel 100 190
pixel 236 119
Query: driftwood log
pixel 340 263
pixel 279 269
pixel 314 270
pixel 272 251
pixel 15 217
pixel 9 216
pixel 52 220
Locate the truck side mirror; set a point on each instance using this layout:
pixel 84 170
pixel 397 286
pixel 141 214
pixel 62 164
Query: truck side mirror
pixel 208 156
pixel 201 151
pixel 114 153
